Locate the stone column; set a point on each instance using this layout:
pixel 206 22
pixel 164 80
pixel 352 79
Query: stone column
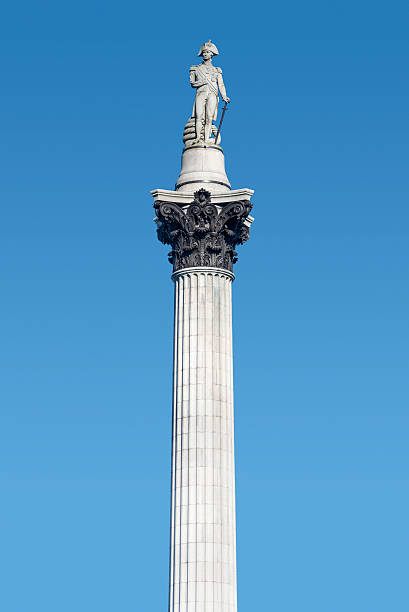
pixel 203 234
pixel 203 530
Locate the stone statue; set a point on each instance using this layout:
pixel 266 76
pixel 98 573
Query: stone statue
pixel 208 82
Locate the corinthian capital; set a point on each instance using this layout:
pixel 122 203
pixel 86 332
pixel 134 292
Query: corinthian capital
pixel 201 233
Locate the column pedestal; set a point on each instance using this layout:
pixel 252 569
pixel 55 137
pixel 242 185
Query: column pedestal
pixel 203 166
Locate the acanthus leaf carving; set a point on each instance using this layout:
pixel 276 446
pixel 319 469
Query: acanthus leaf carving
pixel 202 234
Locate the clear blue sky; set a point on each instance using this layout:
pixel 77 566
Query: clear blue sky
pixel 94 100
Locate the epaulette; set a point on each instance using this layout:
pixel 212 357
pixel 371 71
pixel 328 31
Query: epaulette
pixel 193 67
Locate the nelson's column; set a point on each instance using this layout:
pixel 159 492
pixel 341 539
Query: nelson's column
pixel 203 220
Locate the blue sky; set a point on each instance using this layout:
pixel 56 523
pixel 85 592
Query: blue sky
pixel 94 100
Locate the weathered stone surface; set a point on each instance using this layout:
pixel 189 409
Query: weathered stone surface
pixel 208 82
pixel 200 165
pixel 203 234
pixel 203 220
pixel 203 522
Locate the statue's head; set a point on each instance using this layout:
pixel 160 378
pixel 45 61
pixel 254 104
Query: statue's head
pixel 207 50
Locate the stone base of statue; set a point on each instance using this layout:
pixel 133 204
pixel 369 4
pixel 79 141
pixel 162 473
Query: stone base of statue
pixel 203 166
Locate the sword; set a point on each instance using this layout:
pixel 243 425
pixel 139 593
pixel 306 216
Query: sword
pixel 220 124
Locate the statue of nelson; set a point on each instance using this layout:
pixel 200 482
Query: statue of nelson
pixel 208 82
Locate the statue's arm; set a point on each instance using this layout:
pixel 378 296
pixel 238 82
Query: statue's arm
pixel 194 79
pixel 222 88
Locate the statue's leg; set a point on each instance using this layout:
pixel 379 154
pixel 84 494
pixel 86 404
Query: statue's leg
pixel 200 109
pixel 210 110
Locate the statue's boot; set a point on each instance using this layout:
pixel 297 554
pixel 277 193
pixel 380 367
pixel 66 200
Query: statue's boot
pixel 208 132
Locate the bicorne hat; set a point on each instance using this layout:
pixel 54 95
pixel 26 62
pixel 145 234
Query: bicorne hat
pixel 210 47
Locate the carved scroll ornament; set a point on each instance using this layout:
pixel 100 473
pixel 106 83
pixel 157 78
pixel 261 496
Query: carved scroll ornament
pixel 202 234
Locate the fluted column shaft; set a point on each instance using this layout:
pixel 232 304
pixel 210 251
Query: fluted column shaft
pixel 203 525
